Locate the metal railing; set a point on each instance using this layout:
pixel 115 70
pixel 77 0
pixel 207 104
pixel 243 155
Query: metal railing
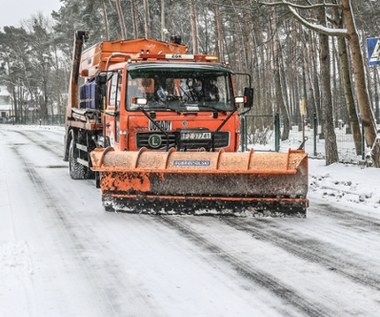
pixel 261 131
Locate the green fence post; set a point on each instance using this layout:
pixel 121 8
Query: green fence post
pixel 277 132
pixel 315 133
pixel 243 133
pixel 363 142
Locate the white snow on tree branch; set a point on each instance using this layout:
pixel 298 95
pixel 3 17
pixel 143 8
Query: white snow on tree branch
pixel 318 28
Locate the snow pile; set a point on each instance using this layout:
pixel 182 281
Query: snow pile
pixel 349 184
pixel 345 184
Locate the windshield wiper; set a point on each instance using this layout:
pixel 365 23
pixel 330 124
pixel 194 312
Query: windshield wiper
pixel 215 108
pixel 159 106
pixel 146 114
pixel 171 108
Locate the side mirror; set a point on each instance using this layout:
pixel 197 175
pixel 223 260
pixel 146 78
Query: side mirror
pixel 248 97
pixel 102 78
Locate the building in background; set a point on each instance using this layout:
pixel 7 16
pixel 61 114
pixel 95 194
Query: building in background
pixel 5 105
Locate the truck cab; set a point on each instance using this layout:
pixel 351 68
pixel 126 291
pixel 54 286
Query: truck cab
pixel 160 105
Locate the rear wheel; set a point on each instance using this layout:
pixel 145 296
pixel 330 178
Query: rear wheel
pixel 77 170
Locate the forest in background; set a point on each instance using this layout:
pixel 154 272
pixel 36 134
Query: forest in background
pixel 301 55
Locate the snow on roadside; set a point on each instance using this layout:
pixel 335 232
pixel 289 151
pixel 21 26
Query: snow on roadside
pixel 32 127
pixel 345 185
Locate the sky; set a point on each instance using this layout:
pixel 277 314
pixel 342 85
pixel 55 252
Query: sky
pixel 14 11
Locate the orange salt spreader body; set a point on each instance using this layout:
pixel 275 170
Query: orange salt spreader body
pixel 159 129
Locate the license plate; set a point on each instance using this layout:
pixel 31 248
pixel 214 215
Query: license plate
pixel 164 125
pixel 195 136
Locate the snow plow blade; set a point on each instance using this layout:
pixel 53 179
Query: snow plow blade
pixel 202 183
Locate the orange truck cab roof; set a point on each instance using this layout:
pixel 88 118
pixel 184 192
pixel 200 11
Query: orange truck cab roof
pixel 94 59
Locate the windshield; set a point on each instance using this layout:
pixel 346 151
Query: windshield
pixel 176 89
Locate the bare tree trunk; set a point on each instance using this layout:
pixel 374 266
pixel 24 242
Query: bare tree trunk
pixel 238 55
pixel 258 82
pixel 15 105
pixel 309 89
pixel 348 95
pixel 327 111
pixel 337 109
pixel 146 19
pixel 194 26
pixel 120 16
pixel 366 113
pixel 105 18
pixel 134 20
pixel 317 84
pixel 280 104
pixel 162 20
pixel 248 32
pixel 377 108
pixel 284 84
pixel 242 56
pixel 219 34
pixel 205 16
pixel 45 101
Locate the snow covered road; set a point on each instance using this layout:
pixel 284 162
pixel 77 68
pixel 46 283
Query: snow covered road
pixel 61 254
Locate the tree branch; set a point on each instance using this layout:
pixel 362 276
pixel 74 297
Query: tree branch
pixel 318 28
pixel 298 6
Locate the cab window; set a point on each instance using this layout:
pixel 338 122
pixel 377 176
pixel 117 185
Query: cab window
pixel 115 90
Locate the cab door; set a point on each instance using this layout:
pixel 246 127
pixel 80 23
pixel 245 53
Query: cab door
pixel 112 112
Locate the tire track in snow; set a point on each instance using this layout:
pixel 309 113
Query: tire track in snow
pixel 349 218
pixel 40 144
pixel 310 250
pixel 75 231
pixel 256 276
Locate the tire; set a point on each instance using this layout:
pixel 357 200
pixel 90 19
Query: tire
pixel 107 204
pixel 97 179
pixel 77 170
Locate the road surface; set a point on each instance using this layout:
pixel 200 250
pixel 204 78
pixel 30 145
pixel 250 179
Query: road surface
pixel 61 254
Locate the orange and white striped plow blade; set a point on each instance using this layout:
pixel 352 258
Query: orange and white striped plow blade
pixel 247 183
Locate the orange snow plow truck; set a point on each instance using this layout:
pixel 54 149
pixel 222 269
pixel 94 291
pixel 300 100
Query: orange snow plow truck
pixel 158 128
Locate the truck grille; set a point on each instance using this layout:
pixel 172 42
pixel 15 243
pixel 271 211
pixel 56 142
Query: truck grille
pixel 222 139
pixel 142 140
